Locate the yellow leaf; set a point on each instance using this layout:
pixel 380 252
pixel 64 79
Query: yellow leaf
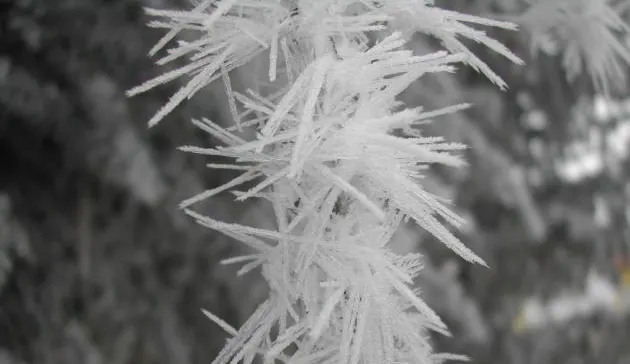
pixel 519 325
pixel 625 277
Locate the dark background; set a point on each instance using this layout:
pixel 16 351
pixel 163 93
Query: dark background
pixel 97 265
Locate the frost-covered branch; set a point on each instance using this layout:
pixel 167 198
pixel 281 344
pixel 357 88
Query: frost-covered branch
pixel 339 157
pixel 590 35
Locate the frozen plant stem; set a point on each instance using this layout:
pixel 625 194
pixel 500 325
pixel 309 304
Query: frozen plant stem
pixel 340 181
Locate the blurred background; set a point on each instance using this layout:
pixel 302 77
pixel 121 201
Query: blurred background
pixel 97 265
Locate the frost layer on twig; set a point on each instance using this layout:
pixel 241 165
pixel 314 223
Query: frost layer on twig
pixel 340 159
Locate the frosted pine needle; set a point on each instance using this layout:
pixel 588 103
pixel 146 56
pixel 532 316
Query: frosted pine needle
pixel 221 323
